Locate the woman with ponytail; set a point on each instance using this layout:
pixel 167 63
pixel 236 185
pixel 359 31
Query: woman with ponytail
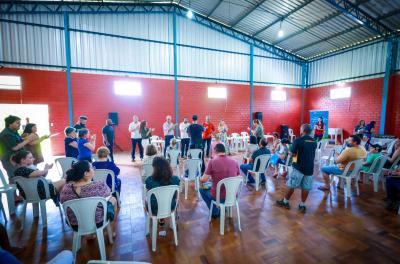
pixel 25 167
pixel 80 185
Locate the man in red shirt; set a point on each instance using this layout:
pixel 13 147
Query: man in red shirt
pixel 207 135
pixel 219 168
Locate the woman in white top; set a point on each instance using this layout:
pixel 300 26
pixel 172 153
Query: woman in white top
pixel 185 139
pixel 136 137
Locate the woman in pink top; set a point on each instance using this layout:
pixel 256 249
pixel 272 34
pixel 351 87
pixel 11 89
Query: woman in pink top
pixel 80 185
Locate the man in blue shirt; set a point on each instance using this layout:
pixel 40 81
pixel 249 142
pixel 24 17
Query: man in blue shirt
pixel 108 137
pixel 261 151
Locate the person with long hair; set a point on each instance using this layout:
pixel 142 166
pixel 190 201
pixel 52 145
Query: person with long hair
pixel 162 176
pixel 319 129
pixel 34 146
pixel 79 185
pixel 258 130
pixel 145 131
pixel 24 161
pixel 359 129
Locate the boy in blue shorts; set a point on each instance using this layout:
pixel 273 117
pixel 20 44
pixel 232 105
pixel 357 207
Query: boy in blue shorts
pixel 301 176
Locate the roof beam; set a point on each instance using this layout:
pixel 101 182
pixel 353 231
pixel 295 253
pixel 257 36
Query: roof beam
pixel 214 8
pixel 283 17
pixel 317 23
pixel 359 16
pixel 247 13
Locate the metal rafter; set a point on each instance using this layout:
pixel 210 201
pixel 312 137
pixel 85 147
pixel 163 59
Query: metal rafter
pixel 361 17
pixel 283 17
pixel 43 7
pixel 214 8
pixel 395 12
pixel 247 13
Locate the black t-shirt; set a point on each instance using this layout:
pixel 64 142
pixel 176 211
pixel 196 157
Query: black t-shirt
pixel 194 131
pixel 108 130
pixel 303 150
pixel 79 126
pixel 8 139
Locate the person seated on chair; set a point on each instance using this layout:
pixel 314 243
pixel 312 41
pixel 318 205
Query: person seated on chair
pixel 251 147
pixel 172 146
pixel 214 143
pixel 71 143
pixel 79 185
pixel 162 176
pixel 103 163
pixel 393 156
pixel 219 168
pixel 374 153
pixel 393 191
pixel 276 142
pixel 261 151
pixel 85 147
pixel 25 168
pixel 353 152
pixel 150 153
pixel 279 157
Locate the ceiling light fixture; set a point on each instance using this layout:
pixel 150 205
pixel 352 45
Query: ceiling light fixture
pixel 280 32
pixel 189 14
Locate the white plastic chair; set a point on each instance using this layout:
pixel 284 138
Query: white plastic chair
pixel 292 136
pixel 391 145
pixel 164 196
pixel 287 167
pixel 63 165
pixel 262 161
pixel 147 171
pixel 101 175
pixel 232 189
pixel 321 146
pixel 30 189
pixel 193 167
pixel 195 154
pixel 3 211
pixel 9 190
pixel 376 171
pixel 173 157
pixel 84 210
pixel 244 134
pixel 348 176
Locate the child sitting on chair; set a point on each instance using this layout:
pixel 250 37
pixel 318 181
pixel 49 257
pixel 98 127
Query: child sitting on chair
pixel 103 163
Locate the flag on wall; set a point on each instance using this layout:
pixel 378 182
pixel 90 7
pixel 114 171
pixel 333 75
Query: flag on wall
pixel 315 114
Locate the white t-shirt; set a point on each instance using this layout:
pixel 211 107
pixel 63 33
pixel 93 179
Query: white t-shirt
pixel 168 129
pixel 183 128
pixel 134 128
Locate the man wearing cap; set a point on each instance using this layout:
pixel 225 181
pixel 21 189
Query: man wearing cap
pixel 108 137
pixel 11 142
pixel 81 123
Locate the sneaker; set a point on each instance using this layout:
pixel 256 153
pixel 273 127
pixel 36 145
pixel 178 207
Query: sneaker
pixel 281 203
pixel 302 209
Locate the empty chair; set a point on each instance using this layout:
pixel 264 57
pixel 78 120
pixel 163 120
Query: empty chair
pixel 173 157
pixel 164 197
pixel 147 171
pixel 195 154
pixel 232 187
pixel 259 167
pixel 376 171
pixel 29 187
pixel 191 172
pixel 321 145
pixel 348 175
pixel 63 164
pixel 102 175
pixel 9 190
pixel 244 134
pixel 292 136
pixel 84 210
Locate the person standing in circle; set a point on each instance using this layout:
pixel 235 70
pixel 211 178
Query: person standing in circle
pixel 136 138
pixel 185 140
pixel 168 128
pixel 108 137
pixel 207 135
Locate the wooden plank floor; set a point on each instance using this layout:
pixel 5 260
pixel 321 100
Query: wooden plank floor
pixel 330 231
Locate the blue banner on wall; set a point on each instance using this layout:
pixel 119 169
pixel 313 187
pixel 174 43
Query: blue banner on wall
pixel 315 114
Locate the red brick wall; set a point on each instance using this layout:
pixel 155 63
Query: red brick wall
pixel 365 103
pixel 42 87
pixel 393 117
pixel 276 113
pixel 93 95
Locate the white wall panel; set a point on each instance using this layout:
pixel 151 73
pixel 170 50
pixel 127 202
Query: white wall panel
pixel 351 64
pixel 28 44
pixel 102 52
pixel 211 64
pixel 192 33
pixel 146 26
pixel 276 71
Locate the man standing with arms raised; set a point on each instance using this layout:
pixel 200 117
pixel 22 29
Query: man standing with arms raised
pixel 185 140
pixel 303 152
pixel 136 137
pixel 168 128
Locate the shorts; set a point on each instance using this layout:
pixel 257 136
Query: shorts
pixel 331 170
pixel 297 179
